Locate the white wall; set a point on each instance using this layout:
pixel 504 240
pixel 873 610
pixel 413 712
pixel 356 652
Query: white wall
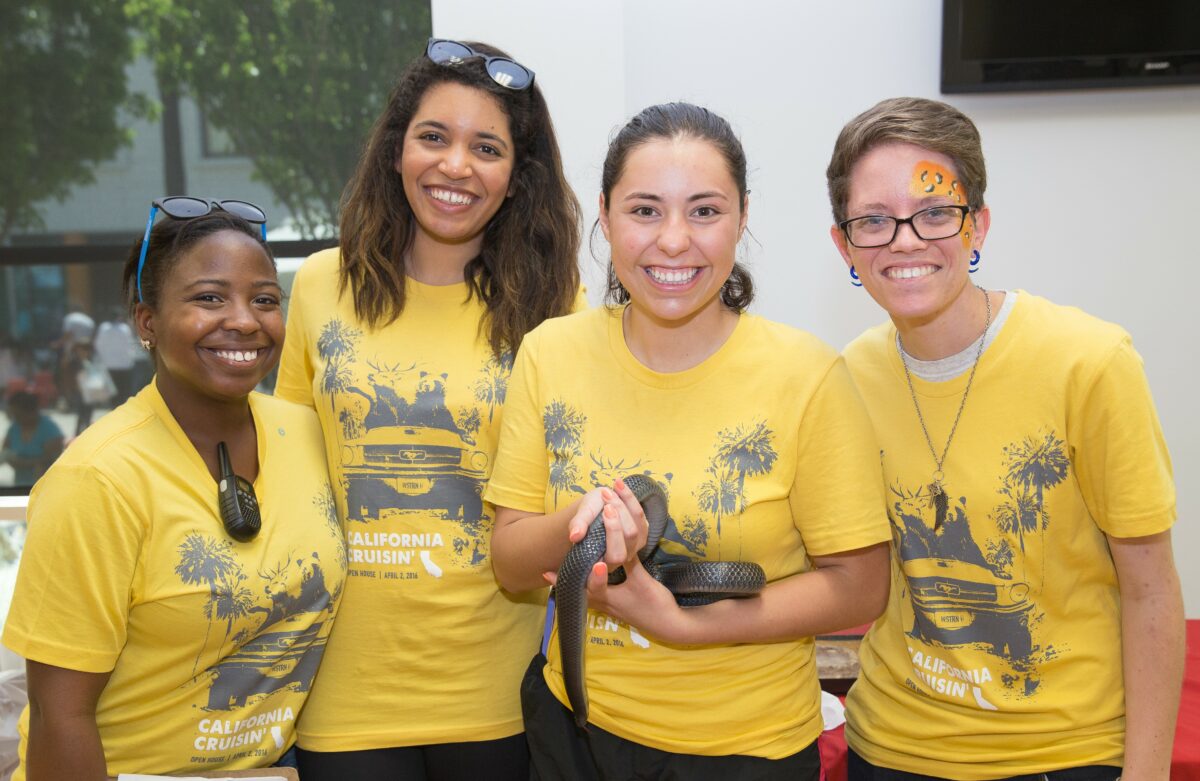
pixel 1093 194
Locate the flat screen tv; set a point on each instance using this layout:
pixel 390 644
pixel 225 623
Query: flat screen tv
pixel 1010 45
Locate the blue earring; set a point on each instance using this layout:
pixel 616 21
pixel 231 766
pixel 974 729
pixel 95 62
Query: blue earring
pixel 974 264
pixel 854 278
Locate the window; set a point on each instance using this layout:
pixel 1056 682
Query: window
pixel 175 104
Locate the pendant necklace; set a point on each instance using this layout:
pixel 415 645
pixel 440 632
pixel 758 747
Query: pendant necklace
pixel 936 489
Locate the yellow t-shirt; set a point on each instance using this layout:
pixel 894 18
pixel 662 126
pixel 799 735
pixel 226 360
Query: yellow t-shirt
pixel 1000 650
pixel 428 649
pixel 212 643
pixel 766 455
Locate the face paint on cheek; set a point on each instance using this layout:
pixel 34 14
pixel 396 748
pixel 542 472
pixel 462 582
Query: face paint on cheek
pixel 929 178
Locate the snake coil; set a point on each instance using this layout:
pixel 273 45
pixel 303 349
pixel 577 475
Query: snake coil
pixel 692 583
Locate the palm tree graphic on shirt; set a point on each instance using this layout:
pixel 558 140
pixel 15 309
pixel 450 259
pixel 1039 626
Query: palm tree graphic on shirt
pixel 742 451
pixel 337 345
pixel 563 426
pixel 208 560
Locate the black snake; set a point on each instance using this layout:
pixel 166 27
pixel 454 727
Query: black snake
pixel 693 583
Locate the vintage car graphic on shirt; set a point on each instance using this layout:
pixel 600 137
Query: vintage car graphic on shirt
pixel 281 628
pixel 413 467
pixel 956 603
pixel 962 595
pixel 405 449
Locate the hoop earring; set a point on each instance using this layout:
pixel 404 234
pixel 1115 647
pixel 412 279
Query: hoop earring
pixel 973 266
pixel 854 277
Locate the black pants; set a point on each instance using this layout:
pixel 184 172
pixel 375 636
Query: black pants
pixel 560 751
pixel 859 769
pixel 506 759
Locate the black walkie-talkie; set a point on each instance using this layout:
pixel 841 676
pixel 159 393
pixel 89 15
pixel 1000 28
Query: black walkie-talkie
pixel 239 505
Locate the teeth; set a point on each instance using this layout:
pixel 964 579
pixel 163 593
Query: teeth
pixel 672 276
pixel 910 273
pixel 446 196
pixel 238 356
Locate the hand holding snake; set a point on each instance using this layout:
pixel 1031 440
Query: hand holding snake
pixel 611 536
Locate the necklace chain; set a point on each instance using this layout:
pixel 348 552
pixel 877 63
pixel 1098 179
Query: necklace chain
pixel 935 487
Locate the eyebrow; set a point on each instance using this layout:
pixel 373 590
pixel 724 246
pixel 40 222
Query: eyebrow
pixel 433 123
pixel 637 196
pixel 225 283
pixel 879 208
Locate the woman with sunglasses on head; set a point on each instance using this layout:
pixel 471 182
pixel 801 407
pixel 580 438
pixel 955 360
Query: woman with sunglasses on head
pixel 459 234
pixel 183 560
pixel 1030 492
pixel 756 434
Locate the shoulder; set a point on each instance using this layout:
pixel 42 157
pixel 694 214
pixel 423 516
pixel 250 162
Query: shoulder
pixel 570 328
pixel 789 337
pixel 1068 327
pixel 129 429
pixel 870 343
pixel 120 447
pixel 776 359
pixel 277 412
pixel 784 348
pixel 320 266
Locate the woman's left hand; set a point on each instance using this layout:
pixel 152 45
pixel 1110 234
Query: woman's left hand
pixel 641 601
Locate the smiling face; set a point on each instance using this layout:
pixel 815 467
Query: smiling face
pixel 456 164
pixel 916 281
pixel 218 327
pixel 674 219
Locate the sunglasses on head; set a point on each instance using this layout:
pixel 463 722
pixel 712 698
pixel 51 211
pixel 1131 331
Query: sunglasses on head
pixel 504 71
pixel 185 207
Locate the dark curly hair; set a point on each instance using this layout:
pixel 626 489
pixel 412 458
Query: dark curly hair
pixel 528 268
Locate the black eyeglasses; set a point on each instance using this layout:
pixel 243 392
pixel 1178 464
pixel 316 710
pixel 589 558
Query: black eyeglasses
pixel 237 501
pixel 504 71
pixel 185 207
pixel 879 230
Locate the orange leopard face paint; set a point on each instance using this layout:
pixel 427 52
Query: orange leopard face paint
pixel 929 178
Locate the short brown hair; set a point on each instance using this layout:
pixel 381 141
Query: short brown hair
pixel 936 126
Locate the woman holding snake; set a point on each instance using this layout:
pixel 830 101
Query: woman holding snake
pixel 1035 625
pixel 761 444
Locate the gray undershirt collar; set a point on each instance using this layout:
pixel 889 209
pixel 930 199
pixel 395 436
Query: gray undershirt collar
pixel 952 366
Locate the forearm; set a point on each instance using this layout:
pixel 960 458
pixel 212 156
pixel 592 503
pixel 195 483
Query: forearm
pixel 525 546
pixel 64 748
pixel 845 590
pixel 64 741
pixel 826 599
pixel 1153 647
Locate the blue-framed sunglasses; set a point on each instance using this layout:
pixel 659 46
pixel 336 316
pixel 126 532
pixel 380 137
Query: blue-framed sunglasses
pixel 185 207
pixel 504 71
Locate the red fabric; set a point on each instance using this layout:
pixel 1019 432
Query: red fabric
pixel 832 745
pixel 1185 759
